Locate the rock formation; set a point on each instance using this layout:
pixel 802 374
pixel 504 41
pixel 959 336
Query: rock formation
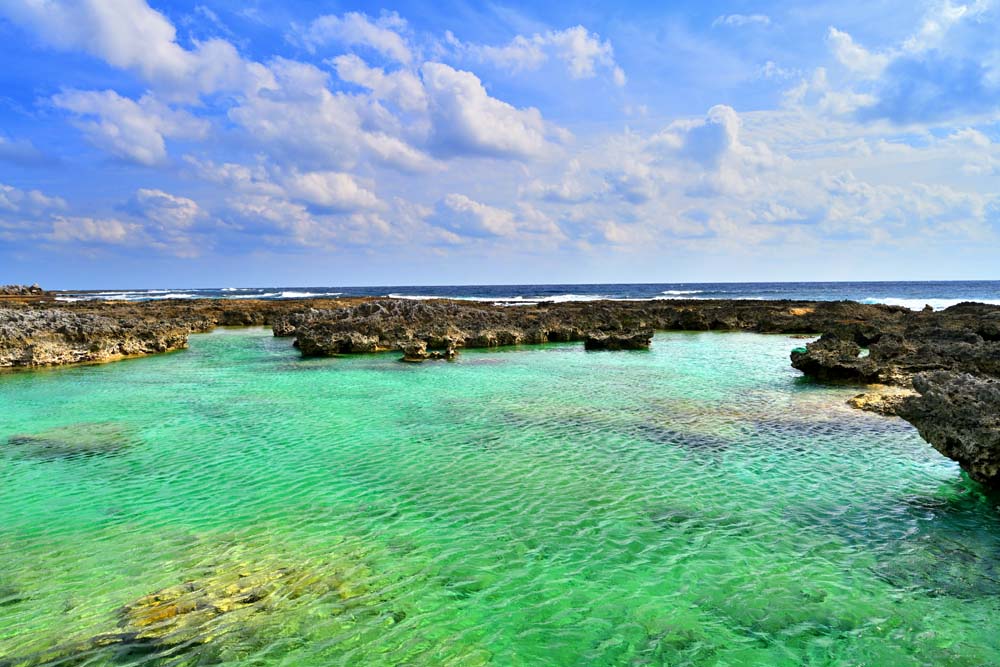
pixel 945 366
pixel 625 340
pixel 959 414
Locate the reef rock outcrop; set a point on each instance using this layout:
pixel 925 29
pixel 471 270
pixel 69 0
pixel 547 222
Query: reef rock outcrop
pixel 619 340
pixel 959 414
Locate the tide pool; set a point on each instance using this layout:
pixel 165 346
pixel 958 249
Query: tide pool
pixel 697 504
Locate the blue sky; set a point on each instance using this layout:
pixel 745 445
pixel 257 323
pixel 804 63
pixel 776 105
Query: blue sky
pixel 322 143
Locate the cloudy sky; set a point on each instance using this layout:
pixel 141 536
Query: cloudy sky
pixel 233 142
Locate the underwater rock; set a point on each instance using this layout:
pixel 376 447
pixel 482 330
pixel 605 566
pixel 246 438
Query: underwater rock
pixel 619 340
pixel 959 414
pixel 74 440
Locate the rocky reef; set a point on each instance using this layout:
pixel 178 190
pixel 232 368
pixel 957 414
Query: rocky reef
pixel 959 414
pixel 392 324
pixel 943 373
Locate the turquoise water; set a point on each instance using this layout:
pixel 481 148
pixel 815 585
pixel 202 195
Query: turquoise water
pixel 698 504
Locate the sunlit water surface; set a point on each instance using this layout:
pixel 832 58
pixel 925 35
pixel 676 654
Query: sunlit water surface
pixel 698 504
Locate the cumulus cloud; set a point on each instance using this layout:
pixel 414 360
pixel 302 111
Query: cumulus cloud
pixel 129 129
pixel 581 51
pixel 466 120
pixel 356 29
pixel 948 69
pixel 330 190
pixel 402 87
pixel 303 122
pixel 129 34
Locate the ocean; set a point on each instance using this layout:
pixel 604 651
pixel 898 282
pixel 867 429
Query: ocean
pixel 915 295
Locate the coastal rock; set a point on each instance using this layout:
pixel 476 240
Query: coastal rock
pixel 325 341
pixel 55 337
pixel 623 340
pixel 833 358
pixel 22 290
pixel 414 351
pixel 959 414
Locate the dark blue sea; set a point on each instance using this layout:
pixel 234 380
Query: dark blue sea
pixel 938 294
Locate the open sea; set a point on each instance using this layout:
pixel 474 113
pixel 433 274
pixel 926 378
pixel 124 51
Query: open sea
pixel 696 504
pixel 913 295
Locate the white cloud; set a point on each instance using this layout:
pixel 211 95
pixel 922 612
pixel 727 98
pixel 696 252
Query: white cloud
pixel 129 34
pixel 27 202
pixel 579 49
pixel 300 121
pixel 948 69
pixel 739 20
pixel 355 29
pixel 466 120
pixel 330 190
pixel 129 129
pixel 854 57
pixel 93 230
pixel 169 212
pixel 402 87
pixel 469 218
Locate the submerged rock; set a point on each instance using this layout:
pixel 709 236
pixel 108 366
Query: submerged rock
pixel 619 340
pixel 83 439
pixel 959 414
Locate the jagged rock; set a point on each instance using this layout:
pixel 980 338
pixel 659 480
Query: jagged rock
pixel 833 358
pixel 624 340
pixel 56 337
pixel 959 414
pixel 324 341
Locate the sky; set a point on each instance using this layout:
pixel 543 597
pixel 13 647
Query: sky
pixel 249 143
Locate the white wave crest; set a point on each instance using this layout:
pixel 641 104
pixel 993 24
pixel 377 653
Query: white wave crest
pixel 918 304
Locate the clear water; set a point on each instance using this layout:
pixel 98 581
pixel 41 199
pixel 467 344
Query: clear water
pixel 698 504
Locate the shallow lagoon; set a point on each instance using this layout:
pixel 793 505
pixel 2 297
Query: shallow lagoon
pixel 697 504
